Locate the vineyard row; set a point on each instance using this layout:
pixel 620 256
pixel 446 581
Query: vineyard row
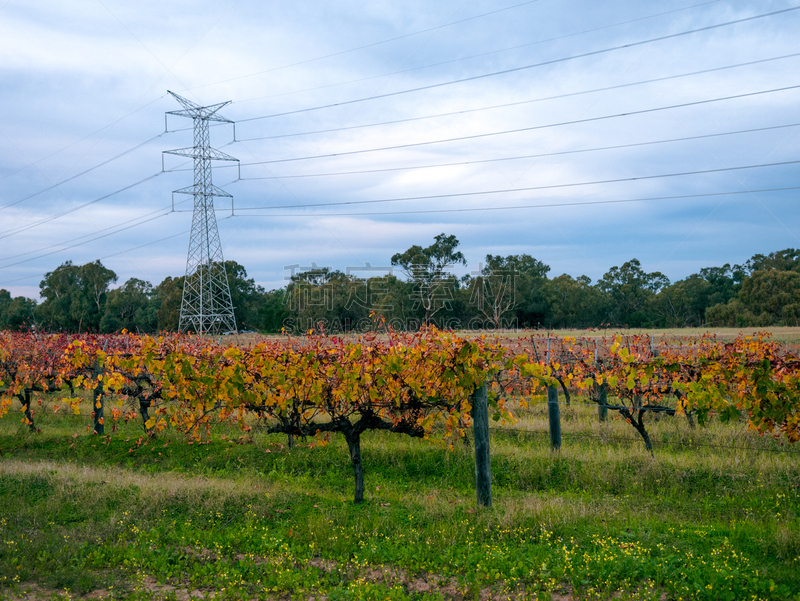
pixel 423 385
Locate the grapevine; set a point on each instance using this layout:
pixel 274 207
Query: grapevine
pixel 416 384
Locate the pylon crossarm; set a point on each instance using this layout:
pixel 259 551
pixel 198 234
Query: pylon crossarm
pixel 187 104
pixel 213 117
pixel 198 153
pixel 195 111
pixel 218 155
pixel 182 152
pixel 201 114
pixel 219 192
pixel 212 191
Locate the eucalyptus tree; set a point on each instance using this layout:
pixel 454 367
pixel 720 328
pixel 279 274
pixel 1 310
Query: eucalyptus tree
pixel 428 270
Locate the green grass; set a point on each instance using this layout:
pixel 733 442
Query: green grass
pixel 601 519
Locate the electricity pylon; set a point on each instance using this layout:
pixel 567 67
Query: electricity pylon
pixel 206 306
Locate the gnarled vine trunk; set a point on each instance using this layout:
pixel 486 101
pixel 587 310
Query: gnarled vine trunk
pixel 353 439
pixel 25 399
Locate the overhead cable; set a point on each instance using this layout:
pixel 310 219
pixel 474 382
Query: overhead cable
pixel 86 137
pixel 526 188
pixel 109 232
pixel 518 207
pixel 77 208
pixel 525 67
pixel 523 156
pixel 524 129
pixel 92 236
pixel 519 102
pixel 84 172
pixel 146 244
pixel 370 45
pixel 471 56
pixel 122 252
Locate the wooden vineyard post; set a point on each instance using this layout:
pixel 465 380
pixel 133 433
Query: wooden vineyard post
pixel 480 431
pixel 602 401
pixel 553 411
pixel 602 393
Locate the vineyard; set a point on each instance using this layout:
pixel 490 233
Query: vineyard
pixel 653 429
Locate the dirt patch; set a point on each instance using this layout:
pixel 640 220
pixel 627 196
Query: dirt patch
pixel 34 592
pixel 181 594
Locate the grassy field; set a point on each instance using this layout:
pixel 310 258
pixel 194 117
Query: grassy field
pixel 714 515
pixel 786 335
pixel 782 334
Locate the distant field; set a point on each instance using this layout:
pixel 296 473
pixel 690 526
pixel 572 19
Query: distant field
pixel 782 334
pixel 789 335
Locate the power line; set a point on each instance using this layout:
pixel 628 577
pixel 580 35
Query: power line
pixel 520 102
pixel 122 252
pixel 79 207
pixel 24 228
pixel 151 243
pixel 365 46
pixel 115 229
pixel 524 67
pixel 524 156
pixel 492 208
pixel 530 188
pixel 472 56
pixel 86 137
pixel 515 207
pixel 125 226
pixel 28 277
pixel 524 129
pixel 77 175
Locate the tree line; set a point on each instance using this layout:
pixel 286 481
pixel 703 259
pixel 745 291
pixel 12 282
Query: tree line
pixel 420 287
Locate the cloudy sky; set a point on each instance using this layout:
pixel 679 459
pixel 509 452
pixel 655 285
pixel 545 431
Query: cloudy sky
pixel 583 133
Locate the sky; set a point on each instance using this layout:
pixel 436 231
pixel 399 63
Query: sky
pixel 582 133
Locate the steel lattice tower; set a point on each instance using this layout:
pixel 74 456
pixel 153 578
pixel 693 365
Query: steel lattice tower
pixel 206 306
